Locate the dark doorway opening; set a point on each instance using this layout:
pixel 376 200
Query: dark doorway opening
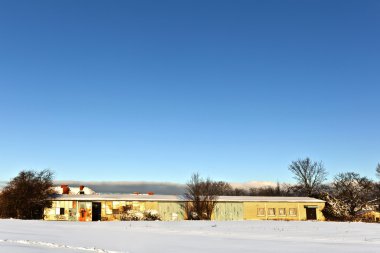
pixel 311 213
pixel 96 211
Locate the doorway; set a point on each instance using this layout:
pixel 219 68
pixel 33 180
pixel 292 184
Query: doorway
pixel 311 213
pixel 96 211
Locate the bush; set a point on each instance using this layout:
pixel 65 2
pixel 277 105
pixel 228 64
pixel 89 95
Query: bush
pixel 151 215
pixel 132 215
pixel 334 209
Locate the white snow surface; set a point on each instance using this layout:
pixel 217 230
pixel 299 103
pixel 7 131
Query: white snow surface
pixel 188 236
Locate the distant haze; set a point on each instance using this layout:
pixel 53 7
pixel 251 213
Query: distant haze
pixel 156 187
pixel 250 184
pixel 129 187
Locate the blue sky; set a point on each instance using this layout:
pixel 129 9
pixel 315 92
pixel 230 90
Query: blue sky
pixel 155 90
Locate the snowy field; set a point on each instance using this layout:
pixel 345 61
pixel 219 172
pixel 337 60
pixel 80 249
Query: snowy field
pixel 188 236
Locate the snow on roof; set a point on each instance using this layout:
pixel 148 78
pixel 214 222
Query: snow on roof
pixel 269 199
pixel 73 190
pixel 175 198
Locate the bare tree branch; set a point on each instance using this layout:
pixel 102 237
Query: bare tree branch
pixel 353 190
pixel 309 175
pixel 201 196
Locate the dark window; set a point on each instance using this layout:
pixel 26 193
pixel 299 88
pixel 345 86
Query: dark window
pixel 62 211
pixel 311 213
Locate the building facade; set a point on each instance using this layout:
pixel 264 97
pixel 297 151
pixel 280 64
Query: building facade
pixel 108 207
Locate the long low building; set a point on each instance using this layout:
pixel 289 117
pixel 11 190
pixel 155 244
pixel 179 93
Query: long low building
pixel 95 207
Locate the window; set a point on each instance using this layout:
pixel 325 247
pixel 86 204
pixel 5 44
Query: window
pixel 282 211
pixel 62 211
pixel 271 211
pixel 108 207
pixel 116 205
pixel 260 212
pixel 292 211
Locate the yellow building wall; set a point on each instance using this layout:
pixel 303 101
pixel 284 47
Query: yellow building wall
pixel 82 211
pixel 251 210
pixel 54 213
pixel 372 216
pixel 171 211
pixel 228 211
pixel 111 209
pixel 151 205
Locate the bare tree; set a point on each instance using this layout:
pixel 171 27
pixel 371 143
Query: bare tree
pixel 376 195
pixel 278 190
pixel 201 195
pixel 26 195
pixel 377 187
pixel 353 190
pixel 223 188
pixel 309 175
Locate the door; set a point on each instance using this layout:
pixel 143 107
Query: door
pixel 96 211
pixel 311 213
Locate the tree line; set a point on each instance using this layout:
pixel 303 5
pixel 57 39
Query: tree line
pixel 26 195
pixel 347 195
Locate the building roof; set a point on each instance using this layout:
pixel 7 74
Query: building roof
pixel 73 190
pixel 177 198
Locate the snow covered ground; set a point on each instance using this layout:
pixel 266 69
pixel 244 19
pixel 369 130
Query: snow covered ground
pixel 188 236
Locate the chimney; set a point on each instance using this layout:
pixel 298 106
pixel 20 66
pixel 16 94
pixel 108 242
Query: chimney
pixel 81 189
pixel 65 189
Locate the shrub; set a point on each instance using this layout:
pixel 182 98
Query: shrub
pixel 132 215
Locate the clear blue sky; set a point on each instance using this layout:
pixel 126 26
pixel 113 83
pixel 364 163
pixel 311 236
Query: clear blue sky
pixel 155 90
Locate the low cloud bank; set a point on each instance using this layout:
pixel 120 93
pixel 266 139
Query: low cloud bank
pixel 129 187
pixel 143 187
